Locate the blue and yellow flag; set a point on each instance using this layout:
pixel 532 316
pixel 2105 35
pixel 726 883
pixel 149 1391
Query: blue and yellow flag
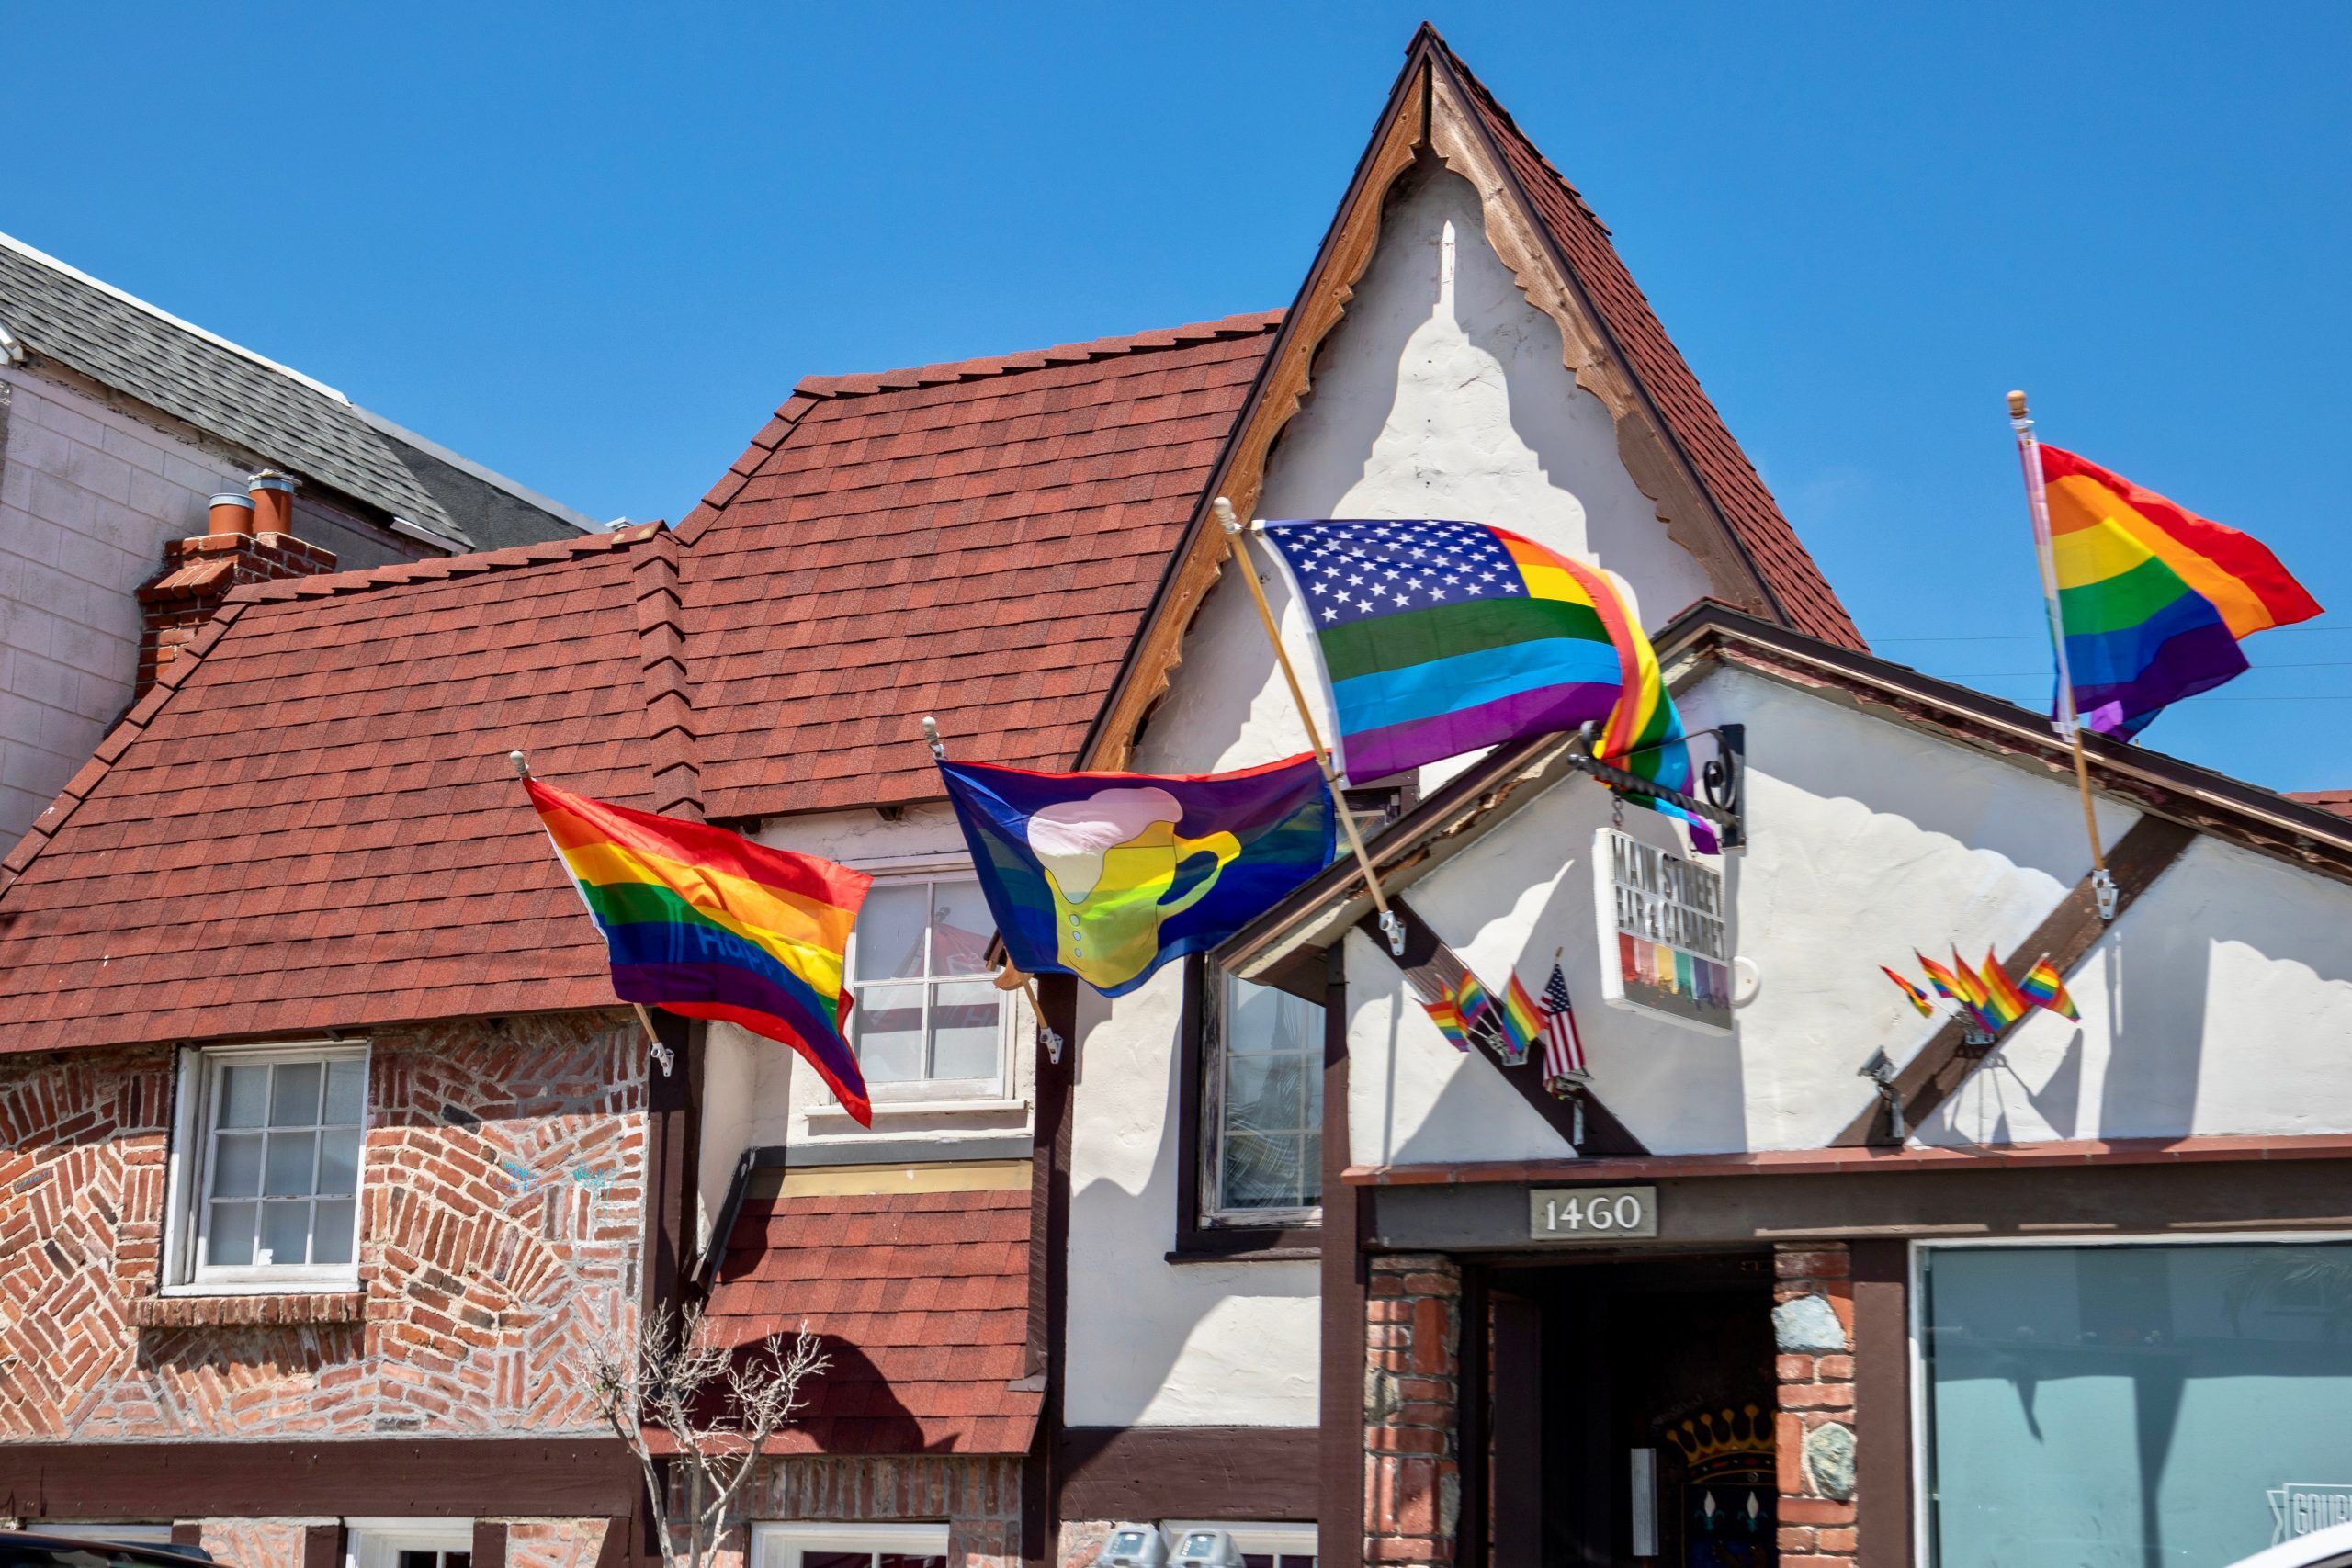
pixel 1107 877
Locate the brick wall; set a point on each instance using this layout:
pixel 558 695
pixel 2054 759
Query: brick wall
pixel 554 1543
pixel 198 576
pixel 255 1543
pixel 502 1195
pixel 1813 1323
pixel 980 1498
pixel 1412 1407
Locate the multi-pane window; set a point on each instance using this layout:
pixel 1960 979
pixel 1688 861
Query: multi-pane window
pixel 273 1180
pixel 1263 1056
pixel 849 1546
pixel 410 1543
pixel 928 1013
pixel 426 1557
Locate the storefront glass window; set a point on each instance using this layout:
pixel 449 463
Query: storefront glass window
pixel 2106 1407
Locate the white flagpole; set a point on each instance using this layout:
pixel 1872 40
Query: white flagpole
pixel 2069 723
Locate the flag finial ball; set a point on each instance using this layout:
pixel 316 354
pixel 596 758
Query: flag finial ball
pixel 2016 405
pixel 1225 517
pixel 520 763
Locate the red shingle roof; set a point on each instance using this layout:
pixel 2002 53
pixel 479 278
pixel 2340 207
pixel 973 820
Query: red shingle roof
pixel 312 823
pixel 973 540
pixel 922 1300
pixel 2339 801
pixel 1788 569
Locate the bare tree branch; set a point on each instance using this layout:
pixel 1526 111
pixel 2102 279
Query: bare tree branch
pixel 716 1405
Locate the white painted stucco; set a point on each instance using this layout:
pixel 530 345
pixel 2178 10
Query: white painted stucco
pixel 761 1094
pixel 1152 1343
pixel 1434 398
pixel 1446 397
pixel 2220 1003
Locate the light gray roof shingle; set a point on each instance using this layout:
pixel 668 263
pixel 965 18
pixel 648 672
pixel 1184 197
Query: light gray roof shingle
pixel 298 424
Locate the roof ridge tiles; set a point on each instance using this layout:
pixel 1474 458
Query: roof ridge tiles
pixel 948 372
pixel 440 568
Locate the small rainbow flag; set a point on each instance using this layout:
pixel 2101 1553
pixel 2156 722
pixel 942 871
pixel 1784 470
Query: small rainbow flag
pixel 2004 1003
pixel 2045 987
pixel 2154 599
pixel 1946 983
pixel 1520 1020
pixel 1911 993
pixel 705 924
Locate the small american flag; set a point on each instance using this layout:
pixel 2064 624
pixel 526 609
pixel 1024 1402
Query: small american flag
pixel 1562 1047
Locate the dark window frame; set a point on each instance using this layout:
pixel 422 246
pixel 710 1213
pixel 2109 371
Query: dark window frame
pixel 1196 1241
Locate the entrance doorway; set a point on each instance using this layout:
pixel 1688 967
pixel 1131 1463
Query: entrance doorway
pixel 1631 1414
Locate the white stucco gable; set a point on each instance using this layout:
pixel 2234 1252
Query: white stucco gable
pixel 2220 1003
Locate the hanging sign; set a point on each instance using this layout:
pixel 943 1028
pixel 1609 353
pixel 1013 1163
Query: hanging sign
pixel 1665 933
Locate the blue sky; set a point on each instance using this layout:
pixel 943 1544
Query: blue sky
pixel 594 245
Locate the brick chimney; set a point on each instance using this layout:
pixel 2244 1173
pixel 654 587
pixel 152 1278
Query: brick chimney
pixel 247 539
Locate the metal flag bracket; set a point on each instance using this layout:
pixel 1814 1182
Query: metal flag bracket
pixel 1725 779
pixel 1880 1072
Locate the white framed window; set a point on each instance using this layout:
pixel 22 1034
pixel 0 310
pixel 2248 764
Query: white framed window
pixel 1262 1062
pixel 929 1023
pixel 410 1543
pixel 849 1546
pixel 266 1167
pixel 1262 1545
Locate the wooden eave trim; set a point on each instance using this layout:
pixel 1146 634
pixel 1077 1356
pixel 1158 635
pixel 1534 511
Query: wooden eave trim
pixel 1431 109
pixel 2199 1149
pixel 1647 443
pixel 1277 392
pixel 2243 814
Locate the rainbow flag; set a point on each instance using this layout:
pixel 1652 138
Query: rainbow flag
pixel 2004 1003
pixel 1520 1020
pixel 2154 599
pixel 1946 983
pixel 1973 993
pixel 1441 637
pixel 705 924
pixel 2045 987
pixel 1911 993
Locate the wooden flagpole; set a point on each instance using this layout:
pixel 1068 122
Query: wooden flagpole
pixel 1237 545
pixel 2069 721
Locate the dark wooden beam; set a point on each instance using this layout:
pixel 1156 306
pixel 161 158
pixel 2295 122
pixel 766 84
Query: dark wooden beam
pixel 2141 856
pixel 440 1477
pixel 1338 1470
pixel 1603 1133
pixel 1881 1275
pixel 1193 1472
pixel 1042 1509
pixel 671 1136
pixel 489 1548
